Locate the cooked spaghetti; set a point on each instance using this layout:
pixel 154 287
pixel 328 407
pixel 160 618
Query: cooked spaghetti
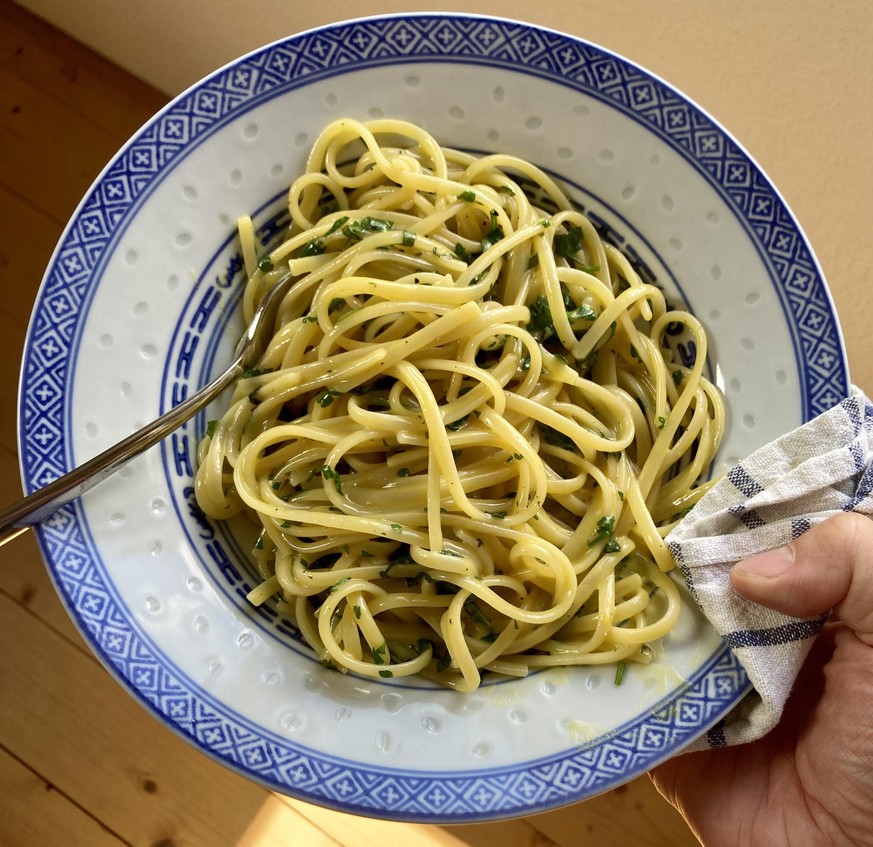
pixel 469 435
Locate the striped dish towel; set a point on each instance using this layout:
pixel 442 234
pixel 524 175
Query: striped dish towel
pixel 769 499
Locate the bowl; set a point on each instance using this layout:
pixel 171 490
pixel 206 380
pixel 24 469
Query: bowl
pixel 140 306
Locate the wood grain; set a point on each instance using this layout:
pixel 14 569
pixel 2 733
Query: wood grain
pixel 49 811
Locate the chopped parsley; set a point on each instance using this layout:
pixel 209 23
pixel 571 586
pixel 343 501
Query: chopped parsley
pixel 312 248
pixel 339 223
pixel 252 372
pixel 581 313
pixel 327 472
pixel 557 438
pixel 493 235
pixel 619 672
pixel 376 224
pixel 356 230
pixel 605 528
pixel 471 607
pixel 568 244
pixel 326 397
pixel 463 255
pixel 541 325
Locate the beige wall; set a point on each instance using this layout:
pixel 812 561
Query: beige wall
pixel 791 79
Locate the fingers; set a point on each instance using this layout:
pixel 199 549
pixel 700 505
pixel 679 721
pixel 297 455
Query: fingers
pixel 830 567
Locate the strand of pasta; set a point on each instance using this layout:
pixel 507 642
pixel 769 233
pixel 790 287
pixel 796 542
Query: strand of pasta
pixel 468 436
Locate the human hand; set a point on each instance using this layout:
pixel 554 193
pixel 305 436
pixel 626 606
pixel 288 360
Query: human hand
pixel 809 782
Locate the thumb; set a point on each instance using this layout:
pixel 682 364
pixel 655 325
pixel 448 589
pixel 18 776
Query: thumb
pixel 830 567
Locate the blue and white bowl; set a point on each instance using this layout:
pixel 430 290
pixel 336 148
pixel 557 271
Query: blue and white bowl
pixel 139 307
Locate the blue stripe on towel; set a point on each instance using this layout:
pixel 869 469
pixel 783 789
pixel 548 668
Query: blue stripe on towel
pixel 743 482
pixel 773 636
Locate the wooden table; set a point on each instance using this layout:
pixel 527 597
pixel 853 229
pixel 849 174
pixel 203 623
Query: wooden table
pixel 80 762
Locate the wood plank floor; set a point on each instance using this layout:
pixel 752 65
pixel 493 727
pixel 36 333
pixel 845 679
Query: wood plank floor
pixel 81 763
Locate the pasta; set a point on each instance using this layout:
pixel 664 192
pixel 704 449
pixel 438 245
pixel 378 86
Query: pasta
pixel 469 435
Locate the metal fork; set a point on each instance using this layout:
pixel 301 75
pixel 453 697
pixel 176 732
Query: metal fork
pixel 26 513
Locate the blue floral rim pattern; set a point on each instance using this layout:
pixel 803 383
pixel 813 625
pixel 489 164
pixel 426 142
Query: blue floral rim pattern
pixel 75 273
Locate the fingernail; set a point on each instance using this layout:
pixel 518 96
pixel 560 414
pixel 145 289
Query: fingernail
pixel 767 565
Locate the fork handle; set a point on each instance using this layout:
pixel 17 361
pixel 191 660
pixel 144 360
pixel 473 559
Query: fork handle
pixel 21 516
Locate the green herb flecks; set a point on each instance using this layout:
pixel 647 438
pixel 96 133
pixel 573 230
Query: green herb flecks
pixel 337 584
pixel 252 372
pixel 376 224
pixel 471 607
pixel 619 673
pixel 605 528
pixel 357 230
pixel 541 325
pixel 337 225
pixel 581 313
pixel 558 439
pixel 312 248
pixel 569 244
pixel 327 472
pixel 463 255
pixel 326 397
pixel 493 235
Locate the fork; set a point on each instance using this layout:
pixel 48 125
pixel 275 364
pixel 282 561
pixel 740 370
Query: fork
pixel 29 511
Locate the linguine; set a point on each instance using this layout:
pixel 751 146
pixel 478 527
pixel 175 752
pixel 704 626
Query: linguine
pixel 469 436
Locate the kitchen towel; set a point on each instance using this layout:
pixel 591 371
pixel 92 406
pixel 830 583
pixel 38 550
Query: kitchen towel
pixel 818 470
